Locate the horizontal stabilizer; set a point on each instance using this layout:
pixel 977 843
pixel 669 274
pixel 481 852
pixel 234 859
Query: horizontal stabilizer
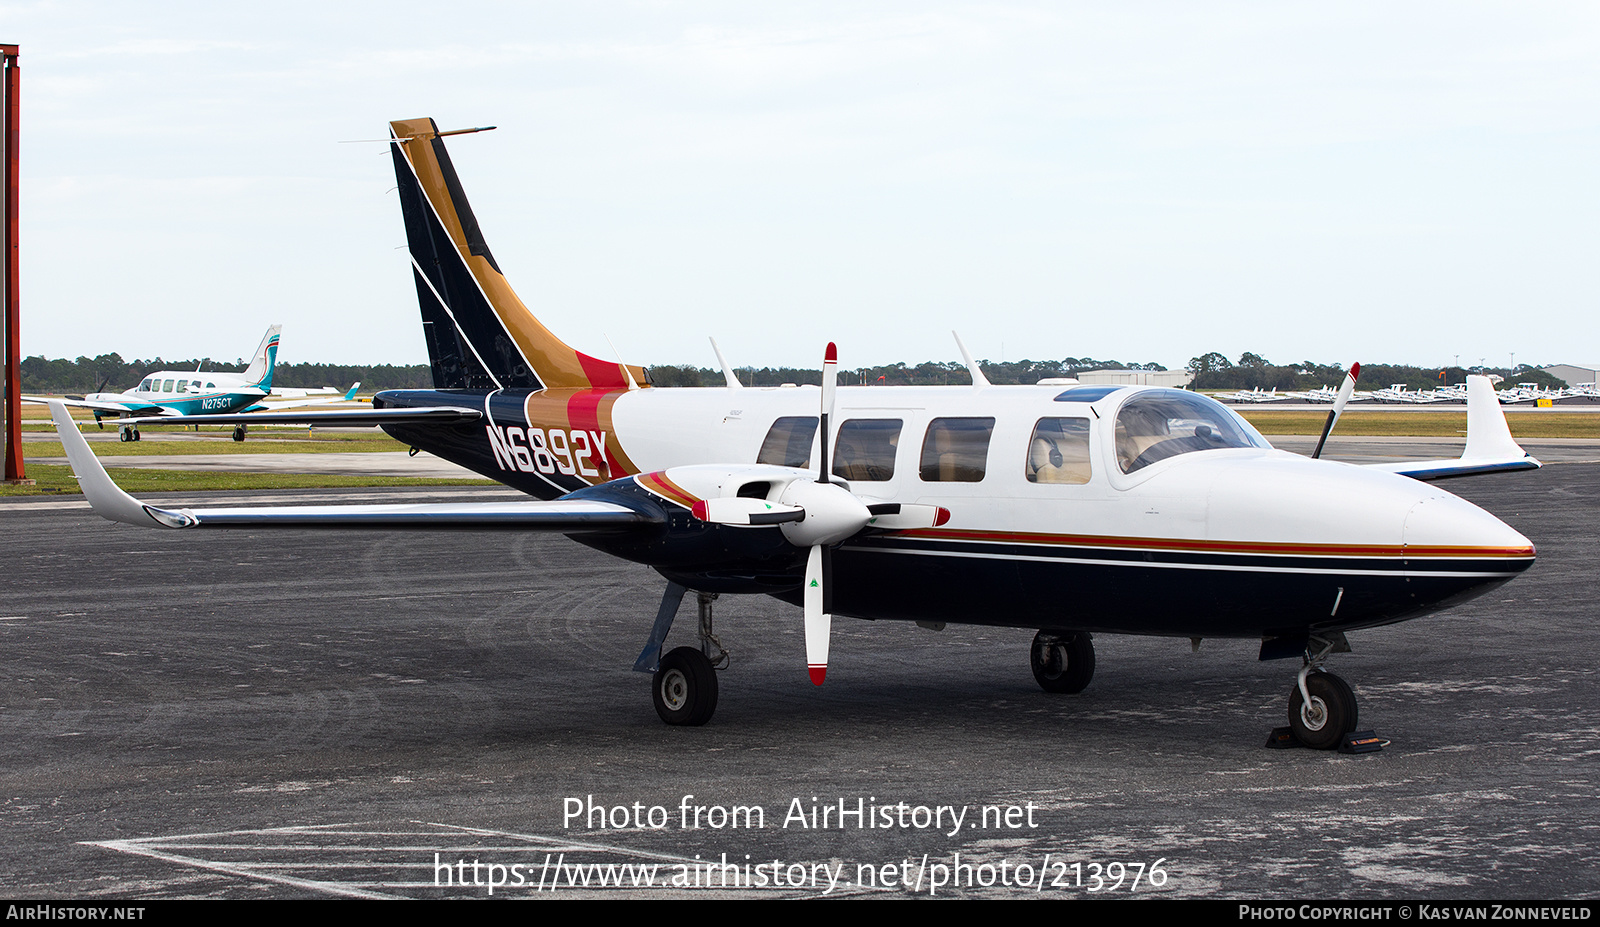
pixel 354 418
pixel 1490 446
pixel 110 502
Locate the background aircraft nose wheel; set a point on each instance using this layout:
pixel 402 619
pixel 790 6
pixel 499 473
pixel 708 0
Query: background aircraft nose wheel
pixel 1062 662
pixel 684 688
pixel 238 432
pixel 1330 714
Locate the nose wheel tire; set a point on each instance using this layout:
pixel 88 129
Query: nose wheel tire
pixel 1330 714
pixel 1062 662
pixel 238 432
pixel 684 688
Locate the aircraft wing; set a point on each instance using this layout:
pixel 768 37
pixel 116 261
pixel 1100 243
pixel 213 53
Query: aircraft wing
pixel 109 408
pixel 1490 446
pixel 110 502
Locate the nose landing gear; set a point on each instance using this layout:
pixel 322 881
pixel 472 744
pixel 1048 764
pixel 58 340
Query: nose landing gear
pixel 1322 706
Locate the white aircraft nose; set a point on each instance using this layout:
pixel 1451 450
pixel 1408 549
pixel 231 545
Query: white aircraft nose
pixel 1445 521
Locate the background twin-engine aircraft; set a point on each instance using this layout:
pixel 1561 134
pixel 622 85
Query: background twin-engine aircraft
pixel 187 393
pixel 1070 510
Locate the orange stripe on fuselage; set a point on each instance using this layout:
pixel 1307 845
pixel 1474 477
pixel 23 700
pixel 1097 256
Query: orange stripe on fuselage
pixel 1221 547
pixel 588 411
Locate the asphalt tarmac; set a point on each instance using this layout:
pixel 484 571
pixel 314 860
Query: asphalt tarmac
pixel 285 714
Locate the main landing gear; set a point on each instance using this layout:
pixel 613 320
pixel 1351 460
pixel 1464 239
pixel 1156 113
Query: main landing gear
pixel 127 432
pixel 1322 707
pixel 1062 661
pixel 238 432
pixel 684 682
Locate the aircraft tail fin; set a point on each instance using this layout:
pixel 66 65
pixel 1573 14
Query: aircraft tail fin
pixel 479 334
pixel 265 360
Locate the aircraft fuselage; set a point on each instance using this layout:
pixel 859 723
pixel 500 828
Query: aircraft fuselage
pixel 1230 541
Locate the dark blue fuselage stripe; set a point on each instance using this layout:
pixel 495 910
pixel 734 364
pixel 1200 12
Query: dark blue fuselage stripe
pixel 1196 559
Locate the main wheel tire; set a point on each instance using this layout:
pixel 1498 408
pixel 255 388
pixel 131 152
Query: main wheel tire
pixel 685 688
pixel 1321 723
pixel 1062 663
pixel 135 432
pixel 123 435
pixel 238 432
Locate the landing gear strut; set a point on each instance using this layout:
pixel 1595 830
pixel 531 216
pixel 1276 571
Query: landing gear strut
pixel 684 684
pixel 1062 661
pixel 1322 707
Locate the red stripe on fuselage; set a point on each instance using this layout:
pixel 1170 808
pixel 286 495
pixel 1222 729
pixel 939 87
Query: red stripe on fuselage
pixel 584 414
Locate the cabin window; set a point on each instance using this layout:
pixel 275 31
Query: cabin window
pixel 788 442
pixel 1059 451
pixel 1158 424
pixel 167 387
pixel 956 450
pixel 865 449
pixel 211 386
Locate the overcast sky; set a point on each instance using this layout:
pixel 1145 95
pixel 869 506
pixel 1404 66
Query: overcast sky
pixel 1386 182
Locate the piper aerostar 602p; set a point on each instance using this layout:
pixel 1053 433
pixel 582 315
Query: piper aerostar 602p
pixel 172 394
pixel 1072 511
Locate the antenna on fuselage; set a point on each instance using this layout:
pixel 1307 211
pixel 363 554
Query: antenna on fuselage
pixel 727 372
pixel 979 381
pixel 627 372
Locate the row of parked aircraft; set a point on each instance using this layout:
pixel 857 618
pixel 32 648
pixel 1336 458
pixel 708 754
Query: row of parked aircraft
pixel 183 394
pixel 1398 393
pixel 1066 509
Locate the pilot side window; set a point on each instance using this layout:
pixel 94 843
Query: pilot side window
pixel 1059 451
pixel 788 442
pixel 956 450
pixel 145 386
pixel 865 449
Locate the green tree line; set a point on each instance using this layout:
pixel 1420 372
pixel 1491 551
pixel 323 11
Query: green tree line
pixel 1214 371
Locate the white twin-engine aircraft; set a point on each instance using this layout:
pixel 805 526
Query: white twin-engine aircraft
pixel 169 394
pixel 1071 510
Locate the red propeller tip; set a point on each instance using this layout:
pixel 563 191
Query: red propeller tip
pixel 699 510
pixel 942 516
pixel 832 355
pixel 819 672
pixel 1355 371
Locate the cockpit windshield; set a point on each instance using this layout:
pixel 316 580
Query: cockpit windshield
pixel 1158 424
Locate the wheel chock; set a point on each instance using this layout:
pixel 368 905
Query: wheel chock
pixel 1362 742
pixel 1282 738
